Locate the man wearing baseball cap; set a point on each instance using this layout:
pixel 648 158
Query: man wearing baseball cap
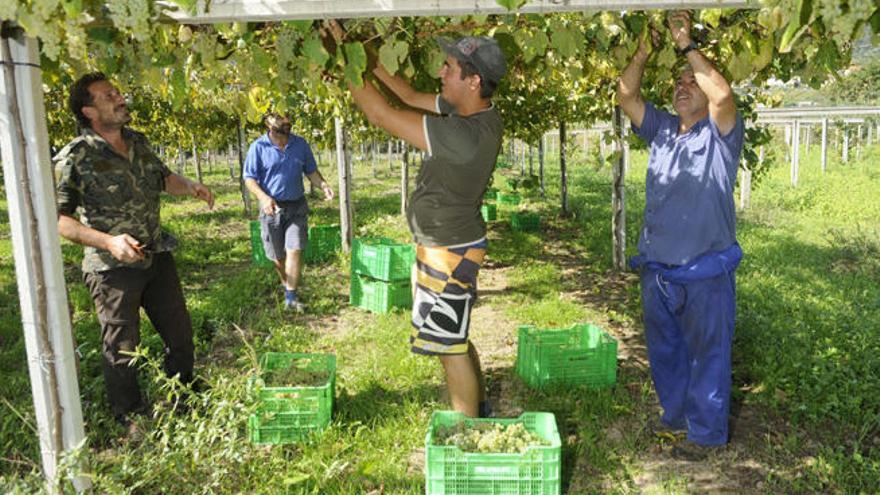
pixel 460 130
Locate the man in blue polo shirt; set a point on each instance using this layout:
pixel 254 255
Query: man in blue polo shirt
pixel 687 246
pixel 273 171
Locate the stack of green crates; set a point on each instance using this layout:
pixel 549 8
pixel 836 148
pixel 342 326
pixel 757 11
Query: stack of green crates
pixel 582 354
pixel 324 241
pixel 525 221
pixel 537 471
pixel 489 212
pixel 380 274
pixel 287 414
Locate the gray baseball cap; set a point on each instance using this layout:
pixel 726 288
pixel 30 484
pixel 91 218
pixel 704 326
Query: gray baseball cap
pixel 481 51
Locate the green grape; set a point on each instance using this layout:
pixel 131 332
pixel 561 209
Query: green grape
pixel 488 438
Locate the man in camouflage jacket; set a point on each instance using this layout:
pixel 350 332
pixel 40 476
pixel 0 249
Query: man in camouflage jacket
pixel 111 177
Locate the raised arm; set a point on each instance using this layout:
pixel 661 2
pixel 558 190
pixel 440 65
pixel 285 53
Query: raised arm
pixel 406 93
pixel 405 124
pixel 629 87
pixel 722 108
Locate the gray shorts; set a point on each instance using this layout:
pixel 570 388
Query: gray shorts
pixel 286 230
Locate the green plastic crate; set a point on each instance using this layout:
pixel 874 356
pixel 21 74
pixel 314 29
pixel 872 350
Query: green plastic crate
pixel 508 199
pixel 449 471
pixel 382 258
pixel 379 296
pixel 489 212
pixel 292 413
pixel 324 241
pixel 582 354
pixel 491 194
pixel 525 221
pixel 258 254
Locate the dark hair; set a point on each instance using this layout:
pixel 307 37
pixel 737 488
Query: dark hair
pixel 81 97
pixel 487 87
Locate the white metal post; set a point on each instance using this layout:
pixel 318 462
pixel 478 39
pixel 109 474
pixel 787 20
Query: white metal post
pixel 344 169
pixel 808 134
pixel 824 144
pixel 859 142
pixel 795 151
pixel 745 186
pixel 33 222
pixel 618 193
pixel 845 157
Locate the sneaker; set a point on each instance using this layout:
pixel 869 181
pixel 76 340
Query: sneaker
pixel 296 306
pixel 692 452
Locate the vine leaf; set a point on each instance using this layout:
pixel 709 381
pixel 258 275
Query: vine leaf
pixel 314 50
pixel 356 63
pixel 796 26
pixel 565 42
pixel 392 53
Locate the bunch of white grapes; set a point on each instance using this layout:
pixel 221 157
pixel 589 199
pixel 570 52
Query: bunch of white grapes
pixel 487 438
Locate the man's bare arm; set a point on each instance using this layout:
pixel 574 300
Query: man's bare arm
pixel 404 91
pixel 267 203
pixel 405 124
pixel 122 247
pixel 629 87
pixel 177 185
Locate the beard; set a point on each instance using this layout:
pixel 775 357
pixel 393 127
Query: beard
pixel 283 130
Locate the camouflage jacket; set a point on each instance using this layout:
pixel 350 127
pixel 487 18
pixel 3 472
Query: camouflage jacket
pixel 112 193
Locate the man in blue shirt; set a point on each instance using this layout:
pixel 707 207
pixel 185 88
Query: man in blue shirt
pixel 273 171
pixel 687 246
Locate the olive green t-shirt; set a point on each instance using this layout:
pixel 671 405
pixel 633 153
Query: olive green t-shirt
pixel 444 208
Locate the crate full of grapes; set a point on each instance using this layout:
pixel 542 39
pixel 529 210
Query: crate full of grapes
pixel 471 456
pixel 294 393
pixel 582 354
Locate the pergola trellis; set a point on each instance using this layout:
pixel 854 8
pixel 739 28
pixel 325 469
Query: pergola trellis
pixel 794 118
pixel 33 216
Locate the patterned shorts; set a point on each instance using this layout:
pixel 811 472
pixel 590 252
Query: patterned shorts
pixel 445 292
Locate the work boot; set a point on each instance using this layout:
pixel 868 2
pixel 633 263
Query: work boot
pixel 660 428
pixel 692 452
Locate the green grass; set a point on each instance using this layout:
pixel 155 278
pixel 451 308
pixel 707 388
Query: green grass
pixel 805 347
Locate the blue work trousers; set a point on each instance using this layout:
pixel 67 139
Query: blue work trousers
pixel 689 331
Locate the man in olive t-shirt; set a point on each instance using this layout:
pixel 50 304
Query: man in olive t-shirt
pixel 462 138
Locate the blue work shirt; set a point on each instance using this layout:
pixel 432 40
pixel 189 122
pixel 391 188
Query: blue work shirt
pixel 279 172
pixel 689 207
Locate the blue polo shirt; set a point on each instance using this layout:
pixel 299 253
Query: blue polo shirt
pixel 689 208
pixel 279 172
